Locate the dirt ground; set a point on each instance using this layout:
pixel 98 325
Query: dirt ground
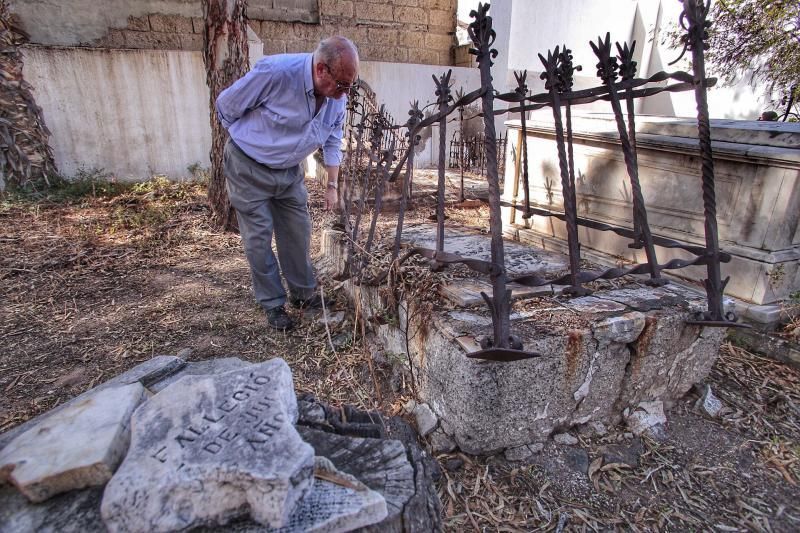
pixel 93 283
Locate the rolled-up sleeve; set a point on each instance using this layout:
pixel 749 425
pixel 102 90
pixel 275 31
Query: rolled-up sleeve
pixel 332 149
pixel 243 95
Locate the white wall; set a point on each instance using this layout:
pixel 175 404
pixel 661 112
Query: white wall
pixel 398 84
pixel 133 113
pixel 541 25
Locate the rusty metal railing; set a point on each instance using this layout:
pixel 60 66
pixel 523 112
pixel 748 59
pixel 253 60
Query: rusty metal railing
pixel 374 160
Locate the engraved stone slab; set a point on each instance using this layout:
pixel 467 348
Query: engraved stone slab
pixel 337 502
pixel 80 446
pixel 208 449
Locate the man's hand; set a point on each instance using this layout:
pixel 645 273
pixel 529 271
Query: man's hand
pixel 331 198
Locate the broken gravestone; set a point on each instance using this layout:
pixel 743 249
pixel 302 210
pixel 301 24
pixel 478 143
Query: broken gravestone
pixel 208 449
pixel 79 446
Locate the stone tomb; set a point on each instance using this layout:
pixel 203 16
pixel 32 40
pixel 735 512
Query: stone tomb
pixel 601 358
pixel 216 446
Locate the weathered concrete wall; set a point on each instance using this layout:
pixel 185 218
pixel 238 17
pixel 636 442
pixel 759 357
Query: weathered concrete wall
pixel 139 112
pixel 757 178
pixel 133 113
pixel 405 31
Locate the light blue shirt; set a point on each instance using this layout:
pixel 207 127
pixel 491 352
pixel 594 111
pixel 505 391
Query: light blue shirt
pixel 269 113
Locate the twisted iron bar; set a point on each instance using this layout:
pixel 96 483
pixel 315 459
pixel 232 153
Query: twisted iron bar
pixel 607 70
pixel 553 83
pixel 443 98
pixel 693 20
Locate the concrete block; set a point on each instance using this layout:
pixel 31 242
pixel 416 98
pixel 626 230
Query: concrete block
pixel 414 15
pixel 336 8
pixel 191 41
pixel 152 40
pixel 442 19
pixel 381 12
pixel 138 23
pixel 438 41
pixel 170 23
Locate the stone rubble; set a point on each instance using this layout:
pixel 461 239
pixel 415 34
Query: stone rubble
pixel 207 449
pixel 646 418
pixel 566 439
pixel 708 403
pixel 373 483
pixel 79 446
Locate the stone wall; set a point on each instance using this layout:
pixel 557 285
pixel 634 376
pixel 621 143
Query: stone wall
pixel 404 31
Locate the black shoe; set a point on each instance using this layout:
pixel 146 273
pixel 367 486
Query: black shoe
pixel 312 302
pixel 278 319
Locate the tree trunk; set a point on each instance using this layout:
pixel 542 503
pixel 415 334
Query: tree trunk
pixel 25 156
pixel 225 55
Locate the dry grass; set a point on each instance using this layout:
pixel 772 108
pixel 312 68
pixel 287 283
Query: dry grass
pixel 95 284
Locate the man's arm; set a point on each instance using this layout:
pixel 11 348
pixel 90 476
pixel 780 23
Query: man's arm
pixel 244 94
pixel 331 189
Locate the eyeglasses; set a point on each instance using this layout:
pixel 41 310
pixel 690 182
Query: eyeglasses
pixel 339 85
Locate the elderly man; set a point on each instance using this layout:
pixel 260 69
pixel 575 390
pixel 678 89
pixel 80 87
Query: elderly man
pixel 277 114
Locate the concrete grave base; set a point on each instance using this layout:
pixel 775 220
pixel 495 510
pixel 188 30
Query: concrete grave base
pixel 600 355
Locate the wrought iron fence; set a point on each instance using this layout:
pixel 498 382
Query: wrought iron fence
pixel 376 157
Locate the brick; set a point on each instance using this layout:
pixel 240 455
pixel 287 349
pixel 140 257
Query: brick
pixel 191 41
pixel 355 34
pixel 138 23
pixel 373 52
pixel 152 40
pixel 199 25
pixel 410 14
pixel 374 12
pixel 275 30
pixel 293 47
pixel 446 5
pixel 382 36
pixel 438 41
pixel 274 47
pixel 442 19
pixel 336 8
pixel 413 3
pixel 422 56
pixel 445 57
pixel 170 24
pixel 307 32
pixel 113 39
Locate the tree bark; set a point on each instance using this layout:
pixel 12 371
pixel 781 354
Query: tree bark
pixel 25 156
pixel 225 55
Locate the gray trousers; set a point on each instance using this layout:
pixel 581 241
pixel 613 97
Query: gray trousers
pixel 268 200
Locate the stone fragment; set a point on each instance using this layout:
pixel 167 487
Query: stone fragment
pixel 628 454
pixel 441 442
pixel 208 449
pixel 577 459
pixel 565 438
pixel 646 415
pixel 598 428
pixel 425 418
pixel 623 329
pixel 523 453
pixel 80 446
pixel 336 502
pixel 708 403
pixel 209 367
pixel 157 366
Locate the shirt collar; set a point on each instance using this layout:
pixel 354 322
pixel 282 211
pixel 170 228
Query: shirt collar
pixel 308 80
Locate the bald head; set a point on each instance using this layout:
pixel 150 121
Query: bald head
pixel 335 67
